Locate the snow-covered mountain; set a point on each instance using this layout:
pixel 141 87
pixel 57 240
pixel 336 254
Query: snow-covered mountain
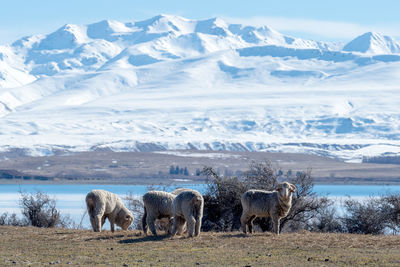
pixel 373 43
pixel 173 83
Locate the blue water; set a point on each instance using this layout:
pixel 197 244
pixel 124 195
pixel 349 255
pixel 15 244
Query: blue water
pixel 71 198
pixel 355 190
pixel 85 188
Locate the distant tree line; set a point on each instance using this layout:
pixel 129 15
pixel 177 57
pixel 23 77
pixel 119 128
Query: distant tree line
pixel 176 170
pixel 12 174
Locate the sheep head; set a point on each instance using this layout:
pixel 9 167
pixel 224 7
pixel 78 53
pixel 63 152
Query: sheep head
pixel 124 219
pixel 286 189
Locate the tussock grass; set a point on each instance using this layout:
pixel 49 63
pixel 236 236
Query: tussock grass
pixel 24 246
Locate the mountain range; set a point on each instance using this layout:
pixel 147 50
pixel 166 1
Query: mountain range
pixel 175 83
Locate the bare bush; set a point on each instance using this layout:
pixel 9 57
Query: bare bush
pixel 390 206
pixel 364 217
pixel 135 206
pixel 12 219
pixel 222 206
pixel 326 221
pixel 40 210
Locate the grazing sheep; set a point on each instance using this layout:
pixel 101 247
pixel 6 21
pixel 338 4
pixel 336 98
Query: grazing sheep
pixel 164 223
pixel 188 206
pixel 177 191
pixel 101 205
pixel 260 203
pixel 157 205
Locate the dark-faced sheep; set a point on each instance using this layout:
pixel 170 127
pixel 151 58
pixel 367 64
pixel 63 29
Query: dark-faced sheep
pixel 101 205
pixel 260 203
pixel 157 205
pixel 188 207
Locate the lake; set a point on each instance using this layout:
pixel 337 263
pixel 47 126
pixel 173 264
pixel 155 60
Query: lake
pixel 71 198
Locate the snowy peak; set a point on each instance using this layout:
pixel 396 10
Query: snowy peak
pixel 165 24
pixel 214 26
pixel 108 29
pixel 112 45
pixel 66 37
pixel 373 43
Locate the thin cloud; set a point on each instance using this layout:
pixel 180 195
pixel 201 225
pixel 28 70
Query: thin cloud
pixel 318 29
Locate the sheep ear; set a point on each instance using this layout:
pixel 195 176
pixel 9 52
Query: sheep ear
pixel 293 188
pixel 279 187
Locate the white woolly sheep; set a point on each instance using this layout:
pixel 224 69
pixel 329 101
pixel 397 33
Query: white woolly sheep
pixel 157 205
pixel 101 205
pixel 188 206
pixel 260 203
pixel 177 191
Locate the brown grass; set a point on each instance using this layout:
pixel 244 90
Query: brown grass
pixel 33 246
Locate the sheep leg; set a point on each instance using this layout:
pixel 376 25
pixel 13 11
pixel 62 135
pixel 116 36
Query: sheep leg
pixel 99 212
pixel 250 223
pixel 170 223
pixel 276 223
pixel 111 224
pixel 191 221
pixel 243 221
pixel 197 227
pixel 93 223
pixel 151 223
pixel 182 229
pixel 177 226
pixel 98 224
pixel 103 220
pixel 181 224
pixel 145 226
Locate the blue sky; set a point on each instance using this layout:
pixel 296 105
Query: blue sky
pixel 340 20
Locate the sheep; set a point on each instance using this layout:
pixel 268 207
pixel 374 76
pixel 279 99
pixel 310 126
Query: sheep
pixel 157 205
pixel 101 205
pixel 188 206
pixel 164 224
pixel 260 203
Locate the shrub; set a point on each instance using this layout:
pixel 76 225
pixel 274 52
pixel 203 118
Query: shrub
pixel 40 210
pixel 326 221
pixel 6 219
pixel 365 217
pixel 222 206
pixel 135 205
pixel 390 206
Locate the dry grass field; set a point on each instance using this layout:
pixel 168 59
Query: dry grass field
pixel 29 246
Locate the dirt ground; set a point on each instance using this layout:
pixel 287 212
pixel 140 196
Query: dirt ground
pixel 29 246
